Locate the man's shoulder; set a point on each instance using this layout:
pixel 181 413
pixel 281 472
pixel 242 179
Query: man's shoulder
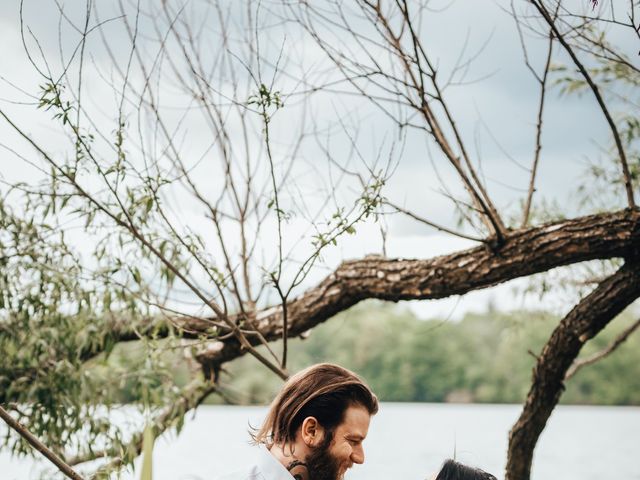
pixel 263 466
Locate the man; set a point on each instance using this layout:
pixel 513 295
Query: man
pixel 315 427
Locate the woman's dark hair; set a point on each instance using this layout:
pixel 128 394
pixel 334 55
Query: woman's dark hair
pixel 322 391
pixel 452 470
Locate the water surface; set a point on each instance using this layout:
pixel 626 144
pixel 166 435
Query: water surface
pixel 408 441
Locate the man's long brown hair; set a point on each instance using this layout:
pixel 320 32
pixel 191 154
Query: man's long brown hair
pixel 323 391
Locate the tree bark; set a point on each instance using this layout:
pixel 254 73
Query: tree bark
pixel 582 323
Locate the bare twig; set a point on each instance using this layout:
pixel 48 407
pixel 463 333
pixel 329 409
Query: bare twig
pixel 38 445
pixel 432 224
pixel 144 241
pixel 626 175
pixel 580 363
pixel 538 149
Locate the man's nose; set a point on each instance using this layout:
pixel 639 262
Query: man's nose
pixel 358 454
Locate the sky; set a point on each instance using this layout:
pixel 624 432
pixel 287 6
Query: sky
pixel 495 107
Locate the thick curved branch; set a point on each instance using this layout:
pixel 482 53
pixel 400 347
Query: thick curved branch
pixel 525 252
pixel 586 319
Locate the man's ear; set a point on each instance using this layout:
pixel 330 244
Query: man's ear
pixel 311 432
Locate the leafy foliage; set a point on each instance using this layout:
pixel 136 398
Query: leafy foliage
pixel 482 358
pixel 54 321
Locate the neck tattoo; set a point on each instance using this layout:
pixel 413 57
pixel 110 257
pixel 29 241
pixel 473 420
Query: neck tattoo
pixel 298 475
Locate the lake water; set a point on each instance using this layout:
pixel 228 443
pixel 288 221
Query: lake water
pixel 408 441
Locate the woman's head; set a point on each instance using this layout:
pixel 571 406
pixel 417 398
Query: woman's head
pixel 452 470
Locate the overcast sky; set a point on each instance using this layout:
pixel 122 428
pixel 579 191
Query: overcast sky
pixel 495 110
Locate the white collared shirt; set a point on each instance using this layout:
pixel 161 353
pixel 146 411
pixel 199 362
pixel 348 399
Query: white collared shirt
pixel 263 466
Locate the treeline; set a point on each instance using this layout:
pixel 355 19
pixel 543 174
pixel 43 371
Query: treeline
pixel 484 357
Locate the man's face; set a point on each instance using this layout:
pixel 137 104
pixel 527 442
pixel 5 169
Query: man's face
pixel 330 462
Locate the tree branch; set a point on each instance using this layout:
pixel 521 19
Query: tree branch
pixel 432 224
pixel 543 90
pixel 192 396
pixel 578 364
pixel 130 226
pixel 525 252
pixel 38 445
pixel 626 175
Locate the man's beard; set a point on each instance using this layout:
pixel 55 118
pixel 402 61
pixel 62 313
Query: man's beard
pixel 321 465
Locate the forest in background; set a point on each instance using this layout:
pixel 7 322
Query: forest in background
pixel 485 357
